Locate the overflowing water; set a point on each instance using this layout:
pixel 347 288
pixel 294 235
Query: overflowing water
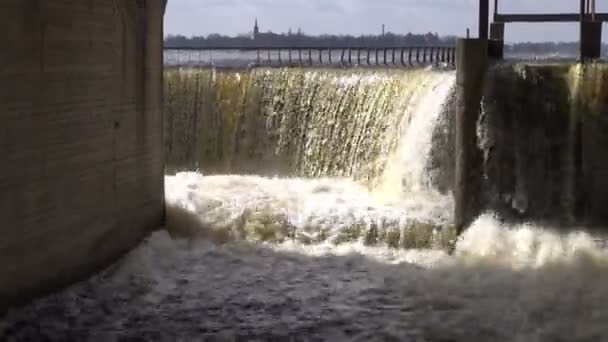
pixel 334 257
pixel 309 123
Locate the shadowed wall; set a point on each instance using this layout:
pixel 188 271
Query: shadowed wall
pixel 543 132
pixel 81 178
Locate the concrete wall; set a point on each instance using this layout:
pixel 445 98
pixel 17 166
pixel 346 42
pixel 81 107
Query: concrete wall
pixel 545 132
pixel 81 177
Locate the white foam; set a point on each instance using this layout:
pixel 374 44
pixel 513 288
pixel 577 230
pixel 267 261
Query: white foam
pixel 275 209
pixel 520 283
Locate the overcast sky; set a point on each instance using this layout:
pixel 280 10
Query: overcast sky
pixel 201 17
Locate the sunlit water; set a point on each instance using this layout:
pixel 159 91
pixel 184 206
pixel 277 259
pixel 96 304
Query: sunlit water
pixel 255 258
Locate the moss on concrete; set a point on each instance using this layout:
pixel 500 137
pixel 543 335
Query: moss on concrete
pixel 540 130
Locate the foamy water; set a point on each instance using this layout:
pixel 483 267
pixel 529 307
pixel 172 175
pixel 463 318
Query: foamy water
pixel 334 210
pixel 521 283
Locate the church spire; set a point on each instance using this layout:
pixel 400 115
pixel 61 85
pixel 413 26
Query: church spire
pixel 256 29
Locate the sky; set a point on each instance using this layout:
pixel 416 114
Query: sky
pixel 446 17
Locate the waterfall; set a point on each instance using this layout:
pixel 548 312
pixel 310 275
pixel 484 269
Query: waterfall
pixel 300 123
pixel 359 141
pixel 408 170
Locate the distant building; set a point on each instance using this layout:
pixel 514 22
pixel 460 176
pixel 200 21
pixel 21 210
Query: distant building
pixel 264 38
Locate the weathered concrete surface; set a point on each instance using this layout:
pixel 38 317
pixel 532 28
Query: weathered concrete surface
pixel 81 179
pixel 543 133
pixel 471 64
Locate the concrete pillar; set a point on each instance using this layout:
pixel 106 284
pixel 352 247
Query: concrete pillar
pixel 591 39
pixel 154 80
pixel 497 31
pixel 484 13
pixel 496 43
pixel 471 64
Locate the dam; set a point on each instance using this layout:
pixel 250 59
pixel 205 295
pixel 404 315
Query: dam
pixel 301 203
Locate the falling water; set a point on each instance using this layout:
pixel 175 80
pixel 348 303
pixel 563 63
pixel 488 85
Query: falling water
pixel 330 228
pixel 368 134
pixel 294 123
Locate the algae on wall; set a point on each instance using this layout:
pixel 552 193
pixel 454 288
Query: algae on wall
pixel 540 132
pixel 590 104
pixel 289 121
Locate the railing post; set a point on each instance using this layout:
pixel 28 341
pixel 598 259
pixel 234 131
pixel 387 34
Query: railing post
pixel 300 56
pixel 417 55
pixel 359 56
pixel 329 52
pixel 431 55
pixel 369 51
pixel 385 53
pixel 280 61
pixel 438 55
pixel 402 56
pixel 259 59
pixel 409 57
pixel 310 56
pixel 321 56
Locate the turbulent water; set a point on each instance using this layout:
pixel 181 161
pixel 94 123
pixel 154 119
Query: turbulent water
pixel 356 253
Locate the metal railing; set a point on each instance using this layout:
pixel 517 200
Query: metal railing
pixel 309 56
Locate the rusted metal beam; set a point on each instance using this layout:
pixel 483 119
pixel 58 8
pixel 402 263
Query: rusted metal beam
pixel 540 18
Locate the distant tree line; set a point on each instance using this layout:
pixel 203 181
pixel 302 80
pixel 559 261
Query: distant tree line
pixel 545 48
pixel 302 40
pixel 542 48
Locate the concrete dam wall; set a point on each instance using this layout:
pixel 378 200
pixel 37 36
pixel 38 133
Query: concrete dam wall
pixel 542 133
pixel 81 180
